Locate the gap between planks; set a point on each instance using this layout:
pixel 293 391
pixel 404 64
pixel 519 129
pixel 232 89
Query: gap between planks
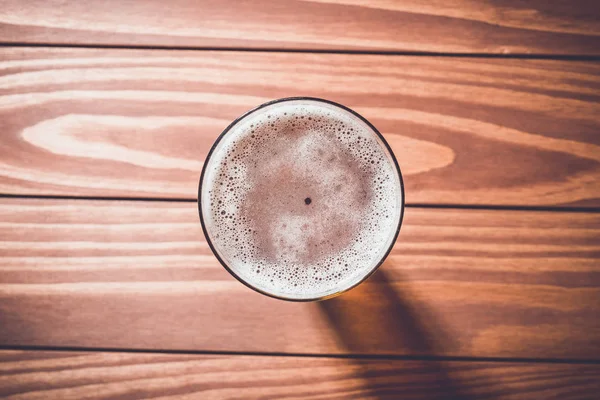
pixel 414 205
pixel 523 56
pixel 305 355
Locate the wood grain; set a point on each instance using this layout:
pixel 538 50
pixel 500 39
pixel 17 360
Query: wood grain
pixel 466 26
pixel 458 282
pixel 139 123
pixel 96 375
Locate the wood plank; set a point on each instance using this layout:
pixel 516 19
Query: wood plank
pixel 458 282
pixel 466 26
pixel 139 123
pixel 97 375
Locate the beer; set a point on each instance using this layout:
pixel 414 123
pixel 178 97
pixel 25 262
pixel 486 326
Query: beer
pixel 301 199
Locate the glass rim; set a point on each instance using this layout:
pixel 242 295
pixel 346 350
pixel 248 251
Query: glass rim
pixel 242 280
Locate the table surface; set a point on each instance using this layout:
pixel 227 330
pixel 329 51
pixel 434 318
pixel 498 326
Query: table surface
pixel 108 288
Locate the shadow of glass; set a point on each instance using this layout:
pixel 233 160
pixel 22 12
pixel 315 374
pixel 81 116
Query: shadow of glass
pixel 375 318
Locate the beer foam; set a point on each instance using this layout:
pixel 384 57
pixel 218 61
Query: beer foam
pixel 301 199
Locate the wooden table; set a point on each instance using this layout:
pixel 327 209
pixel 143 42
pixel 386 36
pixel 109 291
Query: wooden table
pixel 109 290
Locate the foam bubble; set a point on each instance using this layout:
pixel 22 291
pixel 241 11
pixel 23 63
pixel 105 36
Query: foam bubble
pixel 301 199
